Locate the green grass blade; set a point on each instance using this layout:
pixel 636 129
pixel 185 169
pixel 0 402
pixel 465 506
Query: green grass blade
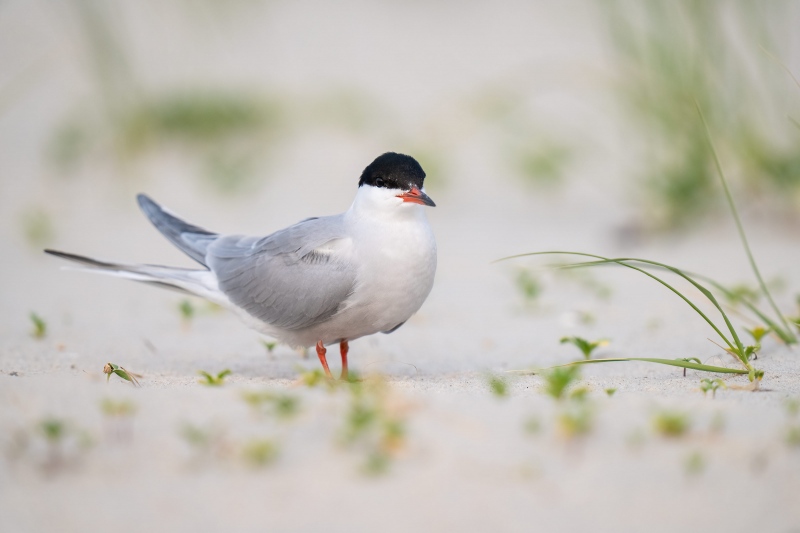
pixel 670 362
pixel 739 226
pixel 687 277
pixel 605 260
pixel 785 336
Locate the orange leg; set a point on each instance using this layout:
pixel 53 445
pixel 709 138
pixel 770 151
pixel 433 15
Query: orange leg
pixel 343 349
pixel 321 351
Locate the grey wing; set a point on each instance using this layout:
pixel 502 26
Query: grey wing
pixel 291 279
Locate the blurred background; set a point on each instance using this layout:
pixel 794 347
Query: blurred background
pixel 541 125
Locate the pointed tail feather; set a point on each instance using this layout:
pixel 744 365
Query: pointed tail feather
pixel 192 240
pixel 197 282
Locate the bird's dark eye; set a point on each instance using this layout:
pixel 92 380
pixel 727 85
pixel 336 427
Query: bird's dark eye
pixel 379 182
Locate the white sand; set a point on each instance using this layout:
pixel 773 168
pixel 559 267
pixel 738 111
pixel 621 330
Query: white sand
pixel 466 462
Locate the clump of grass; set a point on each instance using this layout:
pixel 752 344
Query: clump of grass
pixel 758 333
pixel 260 452
pixel 374 425
pixel 187 311
pixel 733 344
pixel 542 163
pixel 119 414
pixel 793 407
pixel 53 429
pixel 284 406
pixel 314 378
pixel 39 326
pixel 792 436
pixel 586 347
pixel 269 346
pixel 575 417
pixel 671 424
pixel 532 425
pixel 37 227
pixel 713 385
pixel 498 386
pixel 64 443
pixel 636 438
pixel 558 380
pixel 695 463
pixel 528 286
pixel 717 423
pixel 195 436
pixel 117 370
pixel 117 408
pixel 208 443
pixel 741 293
pixel 672 53
pixel 211 380
pixel 575 420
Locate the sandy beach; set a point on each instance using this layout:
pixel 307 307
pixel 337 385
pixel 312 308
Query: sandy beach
pixel 423 442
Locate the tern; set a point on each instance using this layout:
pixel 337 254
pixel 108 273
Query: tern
pixel 322 281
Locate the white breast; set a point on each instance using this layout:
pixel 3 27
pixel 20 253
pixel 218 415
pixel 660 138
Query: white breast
pixel 395 252
pixel 397 264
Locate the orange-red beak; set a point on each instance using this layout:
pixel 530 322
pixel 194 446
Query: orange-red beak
pixel 416 196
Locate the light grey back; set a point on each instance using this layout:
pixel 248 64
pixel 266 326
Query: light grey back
pixel 282 279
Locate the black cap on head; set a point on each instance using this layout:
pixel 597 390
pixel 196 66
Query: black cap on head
pixel 393 171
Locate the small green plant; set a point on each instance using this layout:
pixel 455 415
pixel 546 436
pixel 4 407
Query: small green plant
pixel 53 429
pixel 117 408
pixel 270 346
pixel 689 360
pixel 671 424
pixel 793 429
pixel 314 378
pixel 187 311
pixel 64 442
pixel 281 405
pixel 542 162
pixel 498 386
pixel 758 333
pixel 717 423
pixel 529 286
pixel 793 436
pixel 695 463
pixel 558 379
pixel 211 380
pixel 39 326
pixel 792 407
pixel 119 414
pixel 117 370
pixel 373 424
pixel 575 420
pixel 741 293
pixel 206 442
pixel 586 347
pixel 610 392
pixel 195 436
pixel 713 385
pixel 575 415
pixel 38 228
pixel 260 452
pixel 636 438
pixel 532 425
